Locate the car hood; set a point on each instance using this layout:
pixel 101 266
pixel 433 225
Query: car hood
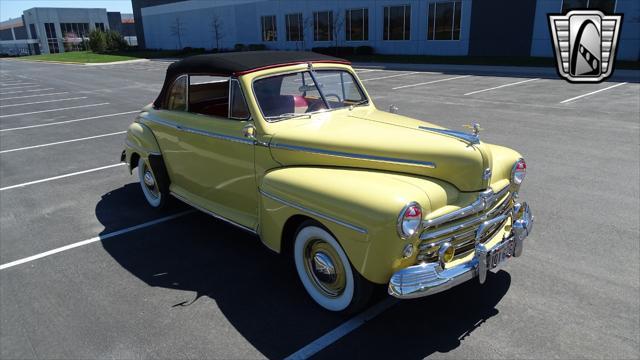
pixel 377 140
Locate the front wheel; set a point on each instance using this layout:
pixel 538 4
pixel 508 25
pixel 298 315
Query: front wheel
pixel 150 188
pixel 326 273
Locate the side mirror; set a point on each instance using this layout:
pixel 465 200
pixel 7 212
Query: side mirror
pixel 249 132
pixel 393 109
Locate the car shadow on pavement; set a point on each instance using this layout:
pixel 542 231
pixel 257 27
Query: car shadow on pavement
pixel 259 292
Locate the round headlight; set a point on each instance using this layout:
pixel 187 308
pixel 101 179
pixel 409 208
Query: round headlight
pixel 518 172
pixel 410 220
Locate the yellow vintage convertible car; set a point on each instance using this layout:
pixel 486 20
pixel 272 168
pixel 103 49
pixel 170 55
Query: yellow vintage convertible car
pixel 290 147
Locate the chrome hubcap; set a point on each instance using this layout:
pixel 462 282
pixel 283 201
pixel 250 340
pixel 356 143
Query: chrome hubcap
pixel 148 179
pixel 324 268
pixel 150 182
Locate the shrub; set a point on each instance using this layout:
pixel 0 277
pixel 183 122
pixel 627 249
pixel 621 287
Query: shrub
pixel 239 47
pixel 257 47
pixel 97 41
pixel 364 50
pixel 335 51
pixel 115 41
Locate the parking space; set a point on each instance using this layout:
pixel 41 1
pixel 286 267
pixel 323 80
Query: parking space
pixel 87 270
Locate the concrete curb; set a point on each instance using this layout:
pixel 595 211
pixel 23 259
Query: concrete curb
pixel 79 64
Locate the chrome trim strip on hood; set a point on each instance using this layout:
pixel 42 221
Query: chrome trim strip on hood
pixel 353 155
pixel 313 212
pixel 470 138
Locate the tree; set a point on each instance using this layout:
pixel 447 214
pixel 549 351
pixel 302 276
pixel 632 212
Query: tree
pixel 177 30
pixel 217 27
pixel 336 29
pixel 97 41
pixel 307 24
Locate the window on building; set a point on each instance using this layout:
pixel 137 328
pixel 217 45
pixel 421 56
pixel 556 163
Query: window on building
pixel 323 26
pixel 357 24
pixel 34 34
pixel 100 26
pixel 76 30
pixel 606 6
pixel 444 20
pixel 294 27
pixel 269 32
pixel 177 98
pixel 52 38
pixel 397 22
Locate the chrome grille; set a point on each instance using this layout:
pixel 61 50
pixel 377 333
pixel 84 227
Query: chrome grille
pixel 460 231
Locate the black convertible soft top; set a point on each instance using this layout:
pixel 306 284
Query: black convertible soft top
pixel 238 63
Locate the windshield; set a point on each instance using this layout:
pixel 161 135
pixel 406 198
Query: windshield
pixel 296 94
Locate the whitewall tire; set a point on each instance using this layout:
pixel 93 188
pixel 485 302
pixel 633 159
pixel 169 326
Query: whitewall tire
pixel 325 271
pixel 149 184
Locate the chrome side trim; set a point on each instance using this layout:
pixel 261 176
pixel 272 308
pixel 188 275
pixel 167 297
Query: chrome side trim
pixel 352 155
pixel 485 200
pixel 171 124
pixel 315 213
pixel 140 149
pixel 219 217
pixel 470 138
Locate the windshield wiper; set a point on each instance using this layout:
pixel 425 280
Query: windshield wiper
pixel 286 116
pixel 361 102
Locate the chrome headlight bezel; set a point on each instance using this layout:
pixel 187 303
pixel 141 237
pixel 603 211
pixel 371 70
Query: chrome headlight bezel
pixel 518 173
pixel 409 231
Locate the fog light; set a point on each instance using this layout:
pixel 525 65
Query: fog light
pixel 446 253
pixel 407 251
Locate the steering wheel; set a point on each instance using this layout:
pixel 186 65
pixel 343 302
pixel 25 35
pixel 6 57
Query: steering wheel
pixel 333 95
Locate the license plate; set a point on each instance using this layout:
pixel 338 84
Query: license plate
pixel 501 253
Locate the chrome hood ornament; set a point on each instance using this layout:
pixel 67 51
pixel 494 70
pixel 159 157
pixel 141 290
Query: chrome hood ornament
pixel 475 128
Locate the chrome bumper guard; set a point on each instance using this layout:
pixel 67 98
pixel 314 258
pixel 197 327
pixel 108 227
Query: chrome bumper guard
pixel 430 278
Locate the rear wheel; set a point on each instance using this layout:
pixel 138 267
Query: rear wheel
pixel 149 184
pixel 325 271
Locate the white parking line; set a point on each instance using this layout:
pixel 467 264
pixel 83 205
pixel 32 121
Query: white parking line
pixel 30 96
pixel 59 109
pixel 366 70
pixel 342 330
pixel 15 82
pixel 62 142
pixel 23 91
pixel 59 177
pixel 390 76
pixel 43 102
pixel 68 121
pixel 94 239
pixel 20 84
pixel 501 86
pixel 591 93
pixel 18 87
pixel 430 82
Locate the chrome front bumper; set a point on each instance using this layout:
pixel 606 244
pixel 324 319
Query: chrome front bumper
pixel 430 278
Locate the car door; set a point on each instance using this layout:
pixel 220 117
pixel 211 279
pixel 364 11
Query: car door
pixel 210 163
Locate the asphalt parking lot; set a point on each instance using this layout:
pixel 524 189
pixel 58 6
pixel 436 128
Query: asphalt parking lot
pixel 88 270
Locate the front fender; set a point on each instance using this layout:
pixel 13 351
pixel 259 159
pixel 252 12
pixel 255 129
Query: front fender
pixel 360 208
pixel 140 140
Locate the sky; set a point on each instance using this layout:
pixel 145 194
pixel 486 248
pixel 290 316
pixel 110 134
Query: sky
pixel 14 8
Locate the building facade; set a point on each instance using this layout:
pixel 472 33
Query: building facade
pixel 56 30
pixel 424 27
